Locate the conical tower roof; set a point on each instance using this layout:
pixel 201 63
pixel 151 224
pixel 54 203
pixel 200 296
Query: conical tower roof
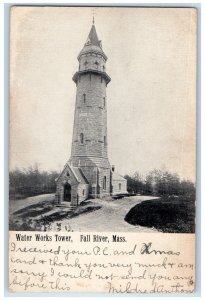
pixel 93 37
pixel 92 44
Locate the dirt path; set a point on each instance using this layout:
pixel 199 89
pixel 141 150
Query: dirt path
pixel 109 218
pixel 15 205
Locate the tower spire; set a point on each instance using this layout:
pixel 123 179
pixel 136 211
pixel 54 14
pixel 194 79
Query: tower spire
pixel 93 12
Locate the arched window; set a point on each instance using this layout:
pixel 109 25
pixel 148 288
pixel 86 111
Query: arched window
pixel 104 183
pixel 82 138
pixel 84 98
pixel 96 64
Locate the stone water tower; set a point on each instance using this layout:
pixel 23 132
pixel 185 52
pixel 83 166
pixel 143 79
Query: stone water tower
pixel 88 171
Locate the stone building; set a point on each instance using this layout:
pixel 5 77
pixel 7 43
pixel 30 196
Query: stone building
pixel 88 172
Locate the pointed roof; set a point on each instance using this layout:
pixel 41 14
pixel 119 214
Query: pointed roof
pixel 79 175
pixel 93 37
pixel 77 172
pixel 92 44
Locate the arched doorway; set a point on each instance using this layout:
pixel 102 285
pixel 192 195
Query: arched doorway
pixel 67 192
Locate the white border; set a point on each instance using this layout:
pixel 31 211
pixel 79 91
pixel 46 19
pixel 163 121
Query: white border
pixel 3 218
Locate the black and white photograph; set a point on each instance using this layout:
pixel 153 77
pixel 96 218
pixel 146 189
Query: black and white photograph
pixel 102 119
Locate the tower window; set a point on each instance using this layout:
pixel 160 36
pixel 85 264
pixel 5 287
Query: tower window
pixel 104 101
pixel 103 68
pixel 85 64
pixel 96 64
pixel 84 98
pixel 105 140
pixel 104 183
pixel 82 138
pixel 119 186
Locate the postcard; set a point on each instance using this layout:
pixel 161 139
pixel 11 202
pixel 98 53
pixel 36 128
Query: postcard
pixel 102 154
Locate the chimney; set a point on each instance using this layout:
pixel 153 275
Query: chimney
pixel 113 168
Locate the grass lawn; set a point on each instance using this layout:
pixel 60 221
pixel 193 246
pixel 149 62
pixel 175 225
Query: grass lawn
pixel 168 214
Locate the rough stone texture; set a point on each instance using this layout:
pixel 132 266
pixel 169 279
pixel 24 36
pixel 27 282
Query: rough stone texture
pixel 90 118
pixel 119 186
pixel 90 152
pixel 62 180
pixel 89 162
pixel 83 191
pixel 79 190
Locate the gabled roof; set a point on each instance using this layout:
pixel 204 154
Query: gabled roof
pixel 77 172
pixel 79 175
pixel 116 177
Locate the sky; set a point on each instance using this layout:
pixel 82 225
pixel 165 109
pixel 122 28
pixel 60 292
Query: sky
pixel 150 99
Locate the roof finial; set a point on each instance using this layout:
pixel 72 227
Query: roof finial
pixel 93 15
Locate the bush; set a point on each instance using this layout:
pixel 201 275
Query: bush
pixel 168 214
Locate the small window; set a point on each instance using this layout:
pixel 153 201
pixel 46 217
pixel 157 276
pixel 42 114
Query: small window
pixel 85 64
pixel 96 64
pixel 104 183
pixel 68 174
pixel 84 98
pixel 83 192
pixel 103 68
pixel 105 140
pixel 104 102
pixel 119 186
pixel 82 138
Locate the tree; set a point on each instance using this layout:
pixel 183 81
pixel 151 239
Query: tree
pixel 31 181
pixel 187 188
pixel 162 182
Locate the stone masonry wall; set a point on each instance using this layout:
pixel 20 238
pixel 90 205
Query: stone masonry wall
pixel 61 182
pixel 83 190
pixel 90 117
pixel 116 186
